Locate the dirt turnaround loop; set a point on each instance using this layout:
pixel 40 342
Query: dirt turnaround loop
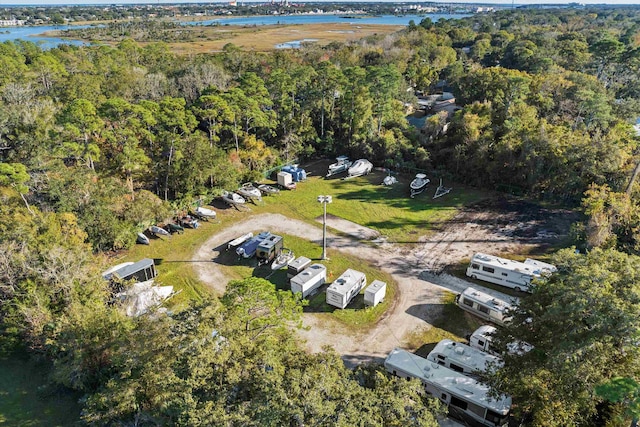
pixel 499 226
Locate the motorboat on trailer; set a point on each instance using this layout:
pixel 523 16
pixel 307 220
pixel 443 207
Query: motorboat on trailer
pixel 389 180
pixel 248 248
pixel 342 164
pixel 154 229
pixel 268 190
pixel 248 191
pixel 360 167
pixel 142 239
pixel 205 213
pixel 239 240
pixel 283 260
pixel 232 198
pixel 419 184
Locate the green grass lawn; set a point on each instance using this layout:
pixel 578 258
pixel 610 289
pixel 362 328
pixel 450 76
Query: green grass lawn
pixel 25 399
pixel 365 201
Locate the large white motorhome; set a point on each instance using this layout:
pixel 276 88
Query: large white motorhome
pixel 466 398
pixel 482 339
pixel 309 280
pixel 484 305
pixel 463 358
pixel 345 288
pixel 506 272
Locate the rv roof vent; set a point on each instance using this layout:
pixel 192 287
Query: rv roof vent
pixel 459 350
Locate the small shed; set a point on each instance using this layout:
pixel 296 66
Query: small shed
pixel 297 265
pixel 375 292
pixel 285 179
pixel 309 280
pixel 141 271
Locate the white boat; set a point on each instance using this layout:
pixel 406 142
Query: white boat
pixel 282 260
pixel 142 239
pixel 232 198
pixel 248 191
pixel 268 189
pixel 154 229
pixel 205 212
pixel 342 164
pixel 360 167
pixel 239 240
pixel 389 180
pixel 419 184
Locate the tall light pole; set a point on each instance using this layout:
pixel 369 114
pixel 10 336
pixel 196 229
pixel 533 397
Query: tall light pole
pixel 324 200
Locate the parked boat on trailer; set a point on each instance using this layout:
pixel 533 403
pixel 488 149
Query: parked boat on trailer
pixel 360 167
pixel 283 260
pixel 233 199
pixel 154 229
pixel 189 221
pixel 419 184
pixel 249 192
pixel 205 213
pixel 341 164
pixel 238 241
pixel 142 239
pixel 389 180
pixel 267 190
pixel 174 228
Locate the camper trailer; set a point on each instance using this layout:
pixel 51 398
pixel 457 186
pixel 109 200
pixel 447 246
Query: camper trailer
pixel 463 358
pixel 140 271
pixel 375 292
pixel 297 265
pixel 309 280
pixel 506 272
pixel 269 248
pixel 345 288
pixel 482 339
pixel 285 180
pixel 466 398
pixel 484 305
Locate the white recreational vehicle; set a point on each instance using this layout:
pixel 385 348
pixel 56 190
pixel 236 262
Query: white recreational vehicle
pixel 482 338
pixel 463 358
pixel 310 279
pixel 345 288
pixel 466 398
pixel 484 305
pixel 506 272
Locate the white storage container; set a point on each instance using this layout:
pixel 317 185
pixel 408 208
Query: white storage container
pixel 375 292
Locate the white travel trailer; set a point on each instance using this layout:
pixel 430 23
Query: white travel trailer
pixel 506 272
pixel 466 398
pixel 375 292
pixel 463 358
pixel 297 265
pixel 484 305
pixel 482 339
pixel 345 288
pixel 309 280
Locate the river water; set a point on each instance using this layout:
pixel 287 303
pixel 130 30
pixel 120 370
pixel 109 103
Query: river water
pixel 34 33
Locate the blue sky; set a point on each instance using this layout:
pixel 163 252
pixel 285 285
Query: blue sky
pixel 84 2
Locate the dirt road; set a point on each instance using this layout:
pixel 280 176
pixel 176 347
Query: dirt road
pixel 417 268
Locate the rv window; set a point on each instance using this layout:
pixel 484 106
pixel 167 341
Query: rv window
pixel 458 402
pixel 505 274
pixel 467 302
pixel 481 343
pixel 483 309
pixel 488 269
pixel 440 357
pixel 475 266
pixel 395 373
pixel 444 397
pixel 456 367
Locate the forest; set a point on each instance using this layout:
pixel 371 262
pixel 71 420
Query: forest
pixel 98 142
